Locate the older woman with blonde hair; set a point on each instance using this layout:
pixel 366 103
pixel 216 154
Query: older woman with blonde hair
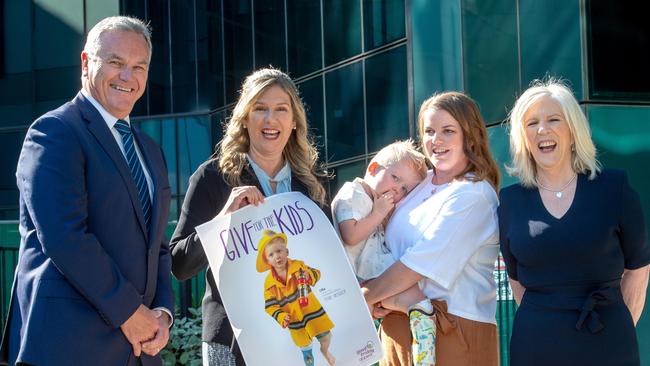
pixel 265 150
pixel 573 238
pixel 445 237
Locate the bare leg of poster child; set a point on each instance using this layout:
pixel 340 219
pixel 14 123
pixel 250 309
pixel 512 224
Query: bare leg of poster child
pixel 324 347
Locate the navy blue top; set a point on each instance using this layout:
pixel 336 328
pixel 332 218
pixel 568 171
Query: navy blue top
pixel 602 233
pixel 572 312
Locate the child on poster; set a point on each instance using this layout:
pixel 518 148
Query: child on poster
pixel 288 297
pixel 360 209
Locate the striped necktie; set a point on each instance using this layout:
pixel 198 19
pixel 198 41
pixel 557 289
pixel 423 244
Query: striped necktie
pixel 136 168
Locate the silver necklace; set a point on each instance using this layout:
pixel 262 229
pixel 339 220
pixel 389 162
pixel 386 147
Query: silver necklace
pixel 558 193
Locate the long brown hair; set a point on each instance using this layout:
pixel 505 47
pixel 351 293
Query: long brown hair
pixel 299 150
pixel 475 140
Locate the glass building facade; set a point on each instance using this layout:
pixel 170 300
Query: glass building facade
pixel 362 66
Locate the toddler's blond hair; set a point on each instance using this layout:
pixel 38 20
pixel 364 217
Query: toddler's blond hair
pixel 402 150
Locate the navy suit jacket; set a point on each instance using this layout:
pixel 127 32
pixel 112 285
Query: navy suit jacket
pixel 86 261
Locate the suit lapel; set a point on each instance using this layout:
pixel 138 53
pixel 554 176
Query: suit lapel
pixel 98 128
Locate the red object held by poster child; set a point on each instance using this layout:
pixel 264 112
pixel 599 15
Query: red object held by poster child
pixel 303 300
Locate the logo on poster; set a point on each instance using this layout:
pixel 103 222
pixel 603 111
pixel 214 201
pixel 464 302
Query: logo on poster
pixel 366 352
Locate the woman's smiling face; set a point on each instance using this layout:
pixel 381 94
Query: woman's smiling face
pixel 548 135
pixel 443 141
pixel 270 123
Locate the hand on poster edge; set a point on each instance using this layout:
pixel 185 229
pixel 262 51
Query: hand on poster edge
pixel 240 197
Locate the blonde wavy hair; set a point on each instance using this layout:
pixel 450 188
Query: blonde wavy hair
pixel 584 155
pixel 299 152
pixel 475 140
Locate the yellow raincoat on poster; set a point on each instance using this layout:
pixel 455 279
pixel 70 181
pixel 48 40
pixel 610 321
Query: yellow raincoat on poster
pixel 282 298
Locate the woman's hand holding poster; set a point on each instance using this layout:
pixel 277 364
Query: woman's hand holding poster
pixel 287 287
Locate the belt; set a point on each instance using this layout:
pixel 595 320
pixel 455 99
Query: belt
pixel 584 298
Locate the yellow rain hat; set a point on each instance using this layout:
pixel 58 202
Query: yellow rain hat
pixel 269 235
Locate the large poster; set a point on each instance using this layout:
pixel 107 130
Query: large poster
pixel 287 287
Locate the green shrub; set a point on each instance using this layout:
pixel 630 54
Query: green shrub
pixel 184 347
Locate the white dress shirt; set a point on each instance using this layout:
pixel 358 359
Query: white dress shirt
pixel 110 122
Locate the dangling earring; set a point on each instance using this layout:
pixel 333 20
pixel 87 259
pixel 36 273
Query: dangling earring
pixel 573 147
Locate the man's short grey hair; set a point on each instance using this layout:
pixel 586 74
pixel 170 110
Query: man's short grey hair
pixel 123 23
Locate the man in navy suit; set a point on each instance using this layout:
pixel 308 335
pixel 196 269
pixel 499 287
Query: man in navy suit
pixel 92 285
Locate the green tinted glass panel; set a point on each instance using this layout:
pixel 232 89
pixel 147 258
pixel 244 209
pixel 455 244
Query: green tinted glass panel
pixel 58 32
pixel 16 115
pixel 386 98
pixel 304 36
pixel 18 48
pixel 174 209
pixel 383 22
pixel 158 97
pixel 209 48
pixel 346 173
pixel 270 44
pixel 57 83
pixel 344 107
pixel 238 45
pixel 164 133
pixel 194 147
pixel 183 49
pixel 9 242
pixel 10 144
pixel 622 137
pixel 490 55
pixel 311 92
pixel 97 10
pixel 218 122
pixel 500 148
pixel 437 64
pixel 550 50
pixel 342 24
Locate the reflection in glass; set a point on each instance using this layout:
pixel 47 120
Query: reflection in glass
pixel 311 92
pixel 555 50
pixel 345 117
pixel 194 146
pixel 383 22
pixel 436 52
pixel 346 173
pixel 490 57
pixel 183 45
pixel 209 54
pixel 238 44
pixel 159 96
pixel 164 133
pixel 304 36
pixel 269 34
pixel 342 25
pixel 10 145
pixel 218 123
pixel 386 98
